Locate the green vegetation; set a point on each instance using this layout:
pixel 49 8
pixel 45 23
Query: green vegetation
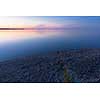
pixel 67 78
pixel 62 67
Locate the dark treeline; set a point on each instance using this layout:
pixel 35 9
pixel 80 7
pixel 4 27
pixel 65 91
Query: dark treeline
pixel 11 28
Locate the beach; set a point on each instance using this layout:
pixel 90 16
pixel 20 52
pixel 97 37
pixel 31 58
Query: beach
pixel 76 65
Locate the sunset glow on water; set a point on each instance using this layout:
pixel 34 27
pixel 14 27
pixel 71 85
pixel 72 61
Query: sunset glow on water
pixel 23 36
pixel 14 36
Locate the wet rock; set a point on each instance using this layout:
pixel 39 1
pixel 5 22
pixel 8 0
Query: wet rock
pixel 79 65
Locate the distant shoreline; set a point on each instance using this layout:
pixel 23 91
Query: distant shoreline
pixel 5 28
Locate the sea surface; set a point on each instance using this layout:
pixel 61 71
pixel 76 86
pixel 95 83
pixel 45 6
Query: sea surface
pixel 15 44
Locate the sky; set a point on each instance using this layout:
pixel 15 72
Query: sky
pixel 12 25
pixel 48 21
pixel 24 29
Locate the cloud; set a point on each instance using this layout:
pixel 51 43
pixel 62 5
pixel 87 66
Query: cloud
pixel 55 26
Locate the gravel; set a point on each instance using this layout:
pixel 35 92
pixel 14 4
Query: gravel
pixel 81 65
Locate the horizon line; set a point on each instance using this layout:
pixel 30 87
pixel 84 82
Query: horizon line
pixel 5 28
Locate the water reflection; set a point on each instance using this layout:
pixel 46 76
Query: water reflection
pixel 21 43
pixel 14 36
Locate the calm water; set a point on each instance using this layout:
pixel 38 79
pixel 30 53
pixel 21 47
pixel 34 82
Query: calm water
pixel 21 43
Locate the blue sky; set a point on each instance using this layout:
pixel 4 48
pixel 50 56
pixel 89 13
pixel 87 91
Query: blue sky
pixel 77 20
pixel 31 21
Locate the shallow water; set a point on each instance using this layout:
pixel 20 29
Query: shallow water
pixel 22 43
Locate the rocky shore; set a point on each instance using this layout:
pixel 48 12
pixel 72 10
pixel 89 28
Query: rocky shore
pixel 77 65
